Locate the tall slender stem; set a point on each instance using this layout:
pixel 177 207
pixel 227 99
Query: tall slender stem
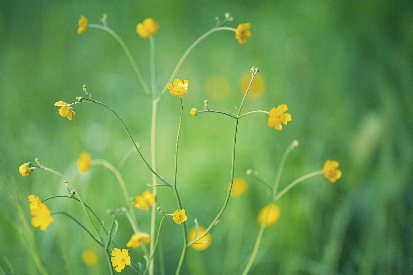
pixel 154 183
pixel 128 53
pixel 112 168
pixel 185 248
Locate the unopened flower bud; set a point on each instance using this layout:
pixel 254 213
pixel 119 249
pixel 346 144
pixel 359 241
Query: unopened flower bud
pixel 193 112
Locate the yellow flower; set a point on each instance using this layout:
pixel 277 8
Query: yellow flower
pixel 84 162
pixel 202 243
pixel 65 109
pixel 34 202
pixel 82 25
pixel 149 197
pixel 278 116
pixel 120 258
pixel 89 257
pixel 136 240
pixel 179 88
pixel 41 216
pixel 243 33
pixel 148 28
pixel 143 201
pixel 257 86
pixel 330 170
pixel 25 169
pixel 179 216
pixel 239 187
pixel 193 112
pixel 273 215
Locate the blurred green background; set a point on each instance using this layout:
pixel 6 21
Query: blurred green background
pixel 344 68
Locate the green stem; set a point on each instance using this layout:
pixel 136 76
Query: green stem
pixel 109 261
pixel 178 66
pixel 129 135
pixel 280 169
pixel 128 53
pixel 256 111
pixel 123 186
pixel 214 222
pixel 152 65
pixel 185 248
pixel 217 112
pixel 80 199
pixel 81 225
pixel 154 183
pixel 291 185
pixel 156 242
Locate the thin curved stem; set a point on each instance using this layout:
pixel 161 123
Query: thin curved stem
pixel 280 168
pixel 217 112
pixel 81 225
pixel 71 185
pixel 291 185
pixel 128 53
pixel 129 135
pixel 123 186
pixel 156 243
pixel 256 111
pixel 178 66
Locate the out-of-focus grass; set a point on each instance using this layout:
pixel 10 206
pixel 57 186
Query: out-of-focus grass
pixel 344 70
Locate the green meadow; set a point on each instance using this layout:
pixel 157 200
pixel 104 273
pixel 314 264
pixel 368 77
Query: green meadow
pixel 343 68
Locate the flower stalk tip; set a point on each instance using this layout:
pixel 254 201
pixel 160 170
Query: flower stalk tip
pixel 178 87
pixel 25 169
pixel 330 170
pixel 147 28
pixel 83 23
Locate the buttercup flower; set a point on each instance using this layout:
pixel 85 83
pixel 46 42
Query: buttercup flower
pixel 179 87
pixel 278 116
pixel 148 28
pixel 136 240
pixel 120 258
pixel 243 33
pixel 82 25
pixel 84 162
pixel 179 216
pixel 149 197
pixel 25 169
pixel 143 201
pixel 193 112
pixel 330 170
pixel 65 109
pixel 34 202
pixel 273 215
pixel 41 216
pixel 202 243
pixel 239 187
pixel 89 257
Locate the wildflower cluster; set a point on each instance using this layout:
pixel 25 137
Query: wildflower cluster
pixel 199 238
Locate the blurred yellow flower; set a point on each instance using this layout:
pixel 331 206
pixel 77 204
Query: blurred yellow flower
pixel 136 240
pixel 41 216
pixel 278 116
pixel 179 216
pixel 330 170
pixel 65 109
pixel 143 201
pixel 34 202
pixel 148 28
pixel 202 243
pixel 84 162
pixel 193 112
pixel 120 258
pixel 257 86
pixel 217 87
pixel 239 187
pixel 89 257
pixel 273 215
pixel 179 87
pixel 242 33
pixel 25 169
pixel 82 25
pixel 149 197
